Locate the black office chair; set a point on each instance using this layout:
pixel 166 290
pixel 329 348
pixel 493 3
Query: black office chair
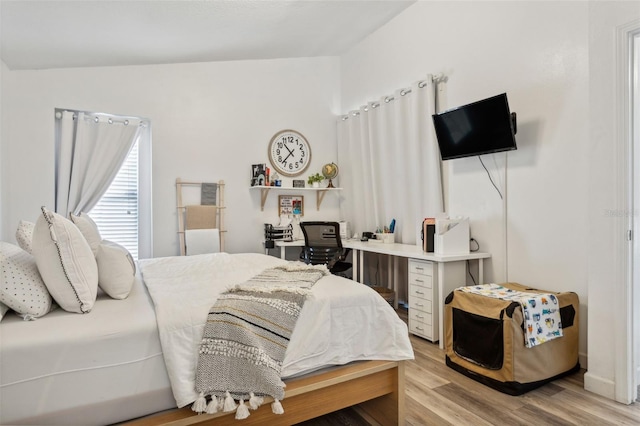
pixel 322 246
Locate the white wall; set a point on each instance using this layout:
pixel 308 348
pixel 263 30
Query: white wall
pixel 537 52
pixel 3 69
pixel 210 121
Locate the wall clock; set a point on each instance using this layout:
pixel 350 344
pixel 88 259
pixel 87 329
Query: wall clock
pixel 289 152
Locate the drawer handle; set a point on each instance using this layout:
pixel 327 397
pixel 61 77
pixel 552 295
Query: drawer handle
pixel 419 292
pixel 420 316
pixel 419 281
pixel 419 304
pixel 419 328
pixel 419 268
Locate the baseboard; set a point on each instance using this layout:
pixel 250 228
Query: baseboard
pixel 599 385
pixel 582 358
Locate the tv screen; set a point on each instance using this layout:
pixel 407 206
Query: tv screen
pixel 478 128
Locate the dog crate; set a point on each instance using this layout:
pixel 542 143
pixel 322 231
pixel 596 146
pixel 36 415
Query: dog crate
pixel 485 340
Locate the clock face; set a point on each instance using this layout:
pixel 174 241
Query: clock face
pixel 289 153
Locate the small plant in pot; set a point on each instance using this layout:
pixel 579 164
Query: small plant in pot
pixel 314 180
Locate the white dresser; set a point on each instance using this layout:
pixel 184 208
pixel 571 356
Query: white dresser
pixel 423 306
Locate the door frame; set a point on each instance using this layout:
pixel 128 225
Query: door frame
pixel 627 236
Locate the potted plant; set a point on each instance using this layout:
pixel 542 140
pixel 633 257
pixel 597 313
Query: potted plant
pixel 314 180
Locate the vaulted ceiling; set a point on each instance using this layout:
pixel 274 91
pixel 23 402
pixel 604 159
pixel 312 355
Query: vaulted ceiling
pixel 62 34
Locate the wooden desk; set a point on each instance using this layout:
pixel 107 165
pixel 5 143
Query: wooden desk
pixel 450 270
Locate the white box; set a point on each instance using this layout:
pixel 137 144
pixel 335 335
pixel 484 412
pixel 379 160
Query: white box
pixel 344 230
pixel 452 236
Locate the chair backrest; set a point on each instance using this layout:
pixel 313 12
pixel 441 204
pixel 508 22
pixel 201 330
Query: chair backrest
pixel 321 234
pixel 322 243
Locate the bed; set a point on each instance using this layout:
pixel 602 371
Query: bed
pixel 133 358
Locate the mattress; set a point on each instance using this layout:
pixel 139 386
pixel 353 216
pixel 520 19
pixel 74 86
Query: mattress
pixel 120 361
pixel 100 368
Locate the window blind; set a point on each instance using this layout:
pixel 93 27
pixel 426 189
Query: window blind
pixel 116 214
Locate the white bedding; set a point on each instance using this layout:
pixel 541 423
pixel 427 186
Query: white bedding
pixel 343 321
pixel 97 368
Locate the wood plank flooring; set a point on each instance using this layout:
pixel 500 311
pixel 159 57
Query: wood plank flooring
pixel 438 395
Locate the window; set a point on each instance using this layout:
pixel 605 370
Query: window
pixel 123 214
pixel 116 214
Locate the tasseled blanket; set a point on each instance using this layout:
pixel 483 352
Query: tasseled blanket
pixel 246 337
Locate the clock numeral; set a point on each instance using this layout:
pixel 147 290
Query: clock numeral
pixel 297 165
pixel 280 144
pixel 290 166
pixel 279 158
pixel 278 151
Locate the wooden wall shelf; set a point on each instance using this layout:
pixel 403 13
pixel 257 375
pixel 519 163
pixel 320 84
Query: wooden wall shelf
pixel 320 193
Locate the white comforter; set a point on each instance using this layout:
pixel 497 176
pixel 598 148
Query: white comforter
pixel 343 321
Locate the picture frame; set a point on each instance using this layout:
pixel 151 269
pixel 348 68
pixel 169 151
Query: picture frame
pixel 259 175
pixel 290 205
pixel 298 183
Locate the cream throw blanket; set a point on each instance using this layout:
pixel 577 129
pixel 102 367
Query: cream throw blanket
pixel 246 337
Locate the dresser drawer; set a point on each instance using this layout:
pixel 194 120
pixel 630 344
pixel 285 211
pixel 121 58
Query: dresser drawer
pixel 420 267
pixel 423 305
pixel 423 317
pixel 421 329
pixel 421 292
pixel 421 280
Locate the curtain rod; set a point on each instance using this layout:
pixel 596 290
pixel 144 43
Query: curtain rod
pixel 112 118
pixel 435 79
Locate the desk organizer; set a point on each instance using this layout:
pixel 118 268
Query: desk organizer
pixel 484 340
pixel 385 238
pixel 452 236
pixel 278 233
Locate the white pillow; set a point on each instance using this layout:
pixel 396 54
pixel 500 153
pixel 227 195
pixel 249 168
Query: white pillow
pixel 24 235
pixel 66 262
pixel 116 269
pixel 89 230
pixel 22 288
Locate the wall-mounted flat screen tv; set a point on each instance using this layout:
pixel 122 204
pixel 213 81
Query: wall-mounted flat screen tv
pixel 482 127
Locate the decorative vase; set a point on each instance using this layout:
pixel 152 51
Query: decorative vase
pixel 315 184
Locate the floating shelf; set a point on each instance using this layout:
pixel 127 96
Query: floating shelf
pixel 320 193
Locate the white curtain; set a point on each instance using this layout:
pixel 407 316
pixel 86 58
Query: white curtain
pixel 390 163
pixel 90 150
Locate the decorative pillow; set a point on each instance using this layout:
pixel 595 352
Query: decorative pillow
pixel 3 310
pixel 66 262
pixel 24 235
pixel 22 287
pixel 89 230
pixel 116 269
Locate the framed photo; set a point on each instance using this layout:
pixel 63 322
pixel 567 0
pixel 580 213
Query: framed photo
pixel 290 205
pixel 259 175
pixel 298 183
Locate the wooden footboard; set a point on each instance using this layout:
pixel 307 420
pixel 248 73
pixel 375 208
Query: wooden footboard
pixel 376 387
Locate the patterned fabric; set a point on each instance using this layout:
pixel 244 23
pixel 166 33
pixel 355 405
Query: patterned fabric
pixel 541 311
pixel 208 194
pixel 247 334
pixel 24 235
pixel 22 289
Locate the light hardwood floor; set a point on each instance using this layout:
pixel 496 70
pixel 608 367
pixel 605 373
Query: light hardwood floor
pixel 438 395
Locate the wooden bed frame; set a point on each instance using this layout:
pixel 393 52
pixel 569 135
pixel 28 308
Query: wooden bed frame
pixel 376 387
